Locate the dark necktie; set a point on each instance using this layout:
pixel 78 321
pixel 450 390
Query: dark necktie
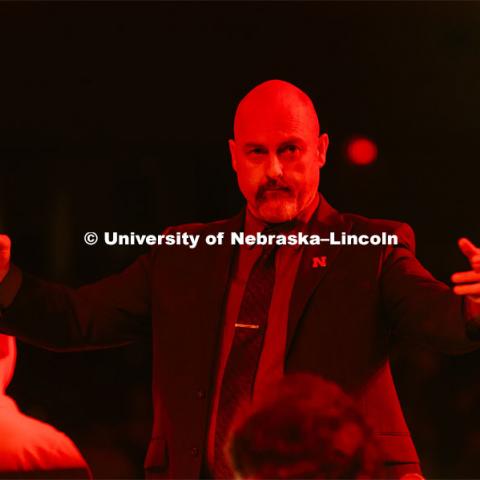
pixel 240 370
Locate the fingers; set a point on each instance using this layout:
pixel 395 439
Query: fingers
pixel 469 289
pixel 5 245
pixel 464 277
pixel 468 248
pixel 4 241
pixel 469 283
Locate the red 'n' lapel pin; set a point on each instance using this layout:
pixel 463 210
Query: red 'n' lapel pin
pixel 319 262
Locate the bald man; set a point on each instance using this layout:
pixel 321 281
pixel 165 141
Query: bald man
pixel 227 321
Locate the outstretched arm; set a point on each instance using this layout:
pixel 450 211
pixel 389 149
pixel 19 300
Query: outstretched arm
pixel 421 308
pixel 111 312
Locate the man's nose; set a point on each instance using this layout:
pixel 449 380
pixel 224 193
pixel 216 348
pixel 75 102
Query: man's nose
pixel 274 167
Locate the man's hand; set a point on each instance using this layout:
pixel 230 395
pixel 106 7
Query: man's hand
pixel 468 283
pixel 4 256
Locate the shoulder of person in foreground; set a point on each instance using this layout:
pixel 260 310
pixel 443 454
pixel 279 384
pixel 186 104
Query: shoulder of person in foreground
pixel 29 445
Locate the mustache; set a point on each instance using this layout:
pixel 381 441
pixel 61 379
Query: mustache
pixel 272 185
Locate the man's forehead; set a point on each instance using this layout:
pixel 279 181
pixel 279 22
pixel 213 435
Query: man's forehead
pixel 274 127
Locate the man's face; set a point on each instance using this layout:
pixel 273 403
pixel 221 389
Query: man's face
pixel 277 156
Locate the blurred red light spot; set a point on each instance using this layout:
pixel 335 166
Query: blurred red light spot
pixel 361 151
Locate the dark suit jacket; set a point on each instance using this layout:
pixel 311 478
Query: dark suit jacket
pixel 342 322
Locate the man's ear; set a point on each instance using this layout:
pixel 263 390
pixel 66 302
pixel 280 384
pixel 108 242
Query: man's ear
pixel 233 153
pixel 322 147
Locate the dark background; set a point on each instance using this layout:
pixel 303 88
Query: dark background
pixel 115 116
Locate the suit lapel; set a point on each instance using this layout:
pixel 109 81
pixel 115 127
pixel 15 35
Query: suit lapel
pixel 325 220
pixel 215 271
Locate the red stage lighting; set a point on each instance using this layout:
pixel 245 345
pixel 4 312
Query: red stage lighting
pixel 361 151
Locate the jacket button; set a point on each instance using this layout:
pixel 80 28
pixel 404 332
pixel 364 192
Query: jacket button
pixel 201 393
pixel 194 452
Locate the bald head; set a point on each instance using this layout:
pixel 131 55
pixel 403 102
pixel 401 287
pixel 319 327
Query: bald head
pixel 274 105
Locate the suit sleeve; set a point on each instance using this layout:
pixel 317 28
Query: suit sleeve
pixel 420 308
pixel 111 312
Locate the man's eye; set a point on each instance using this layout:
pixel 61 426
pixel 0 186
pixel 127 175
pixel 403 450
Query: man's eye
pixel 256 151
pixel 290 149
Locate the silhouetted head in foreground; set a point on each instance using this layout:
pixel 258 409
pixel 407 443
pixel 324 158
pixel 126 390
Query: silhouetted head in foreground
pixel 305 428
pixel 277 151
